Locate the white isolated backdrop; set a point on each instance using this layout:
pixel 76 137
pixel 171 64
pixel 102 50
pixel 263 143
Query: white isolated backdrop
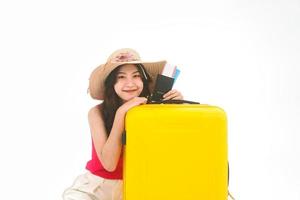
pixel 240 55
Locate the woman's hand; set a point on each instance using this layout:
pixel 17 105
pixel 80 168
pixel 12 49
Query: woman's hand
pixel 173 94
pixel 132 103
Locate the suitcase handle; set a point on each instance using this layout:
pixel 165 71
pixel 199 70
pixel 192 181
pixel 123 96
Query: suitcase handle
pixel 172 101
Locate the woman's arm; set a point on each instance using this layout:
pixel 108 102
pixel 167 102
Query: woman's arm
pixel 109 148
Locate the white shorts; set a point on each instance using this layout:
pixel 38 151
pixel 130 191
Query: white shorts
pixel 91 187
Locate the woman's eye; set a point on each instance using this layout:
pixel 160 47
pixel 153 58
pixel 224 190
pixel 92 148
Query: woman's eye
pixel 137 76
pixel 121 77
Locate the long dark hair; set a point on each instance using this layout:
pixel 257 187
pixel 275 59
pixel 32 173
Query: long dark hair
pixel 112 101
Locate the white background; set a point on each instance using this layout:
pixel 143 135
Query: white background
pixel 240 55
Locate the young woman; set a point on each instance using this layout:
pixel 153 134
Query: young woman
pixel 123 82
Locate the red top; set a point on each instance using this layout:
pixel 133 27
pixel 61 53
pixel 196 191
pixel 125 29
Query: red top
pixel 96 168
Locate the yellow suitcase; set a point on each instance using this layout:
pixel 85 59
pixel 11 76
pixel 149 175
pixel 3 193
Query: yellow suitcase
pixel 175 151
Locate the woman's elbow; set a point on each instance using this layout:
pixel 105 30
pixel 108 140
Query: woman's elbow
pixel 107 165
pixel 110 168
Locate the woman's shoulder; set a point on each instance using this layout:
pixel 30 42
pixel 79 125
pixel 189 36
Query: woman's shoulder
pixel 95 111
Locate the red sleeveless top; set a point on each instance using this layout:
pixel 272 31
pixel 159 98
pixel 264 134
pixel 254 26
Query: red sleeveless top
pixel 96 168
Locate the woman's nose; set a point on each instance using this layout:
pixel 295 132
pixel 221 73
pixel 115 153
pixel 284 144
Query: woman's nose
pixel 130 82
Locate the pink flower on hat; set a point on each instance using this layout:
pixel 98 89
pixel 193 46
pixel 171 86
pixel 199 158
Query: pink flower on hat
pixel 125 57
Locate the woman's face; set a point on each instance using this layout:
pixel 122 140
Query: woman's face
pixel 129 83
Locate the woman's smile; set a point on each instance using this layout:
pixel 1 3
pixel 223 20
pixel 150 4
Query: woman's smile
pixel 129 91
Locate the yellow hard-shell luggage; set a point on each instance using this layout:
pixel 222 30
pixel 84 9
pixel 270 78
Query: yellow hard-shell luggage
pixel 175 152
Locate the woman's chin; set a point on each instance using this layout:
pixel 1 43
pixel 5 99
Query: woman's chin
pixel 128 98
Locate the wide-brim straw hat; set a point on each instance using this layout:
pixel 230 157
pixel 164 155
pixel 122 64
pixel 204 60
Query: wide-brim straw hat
pixel 117 58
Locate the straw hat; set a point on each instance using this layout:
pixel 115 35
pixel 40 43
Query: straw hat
pixel 117 58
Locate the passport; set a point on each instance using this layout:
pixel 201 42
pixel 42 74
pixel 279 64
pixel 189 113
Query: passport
pixel 163 84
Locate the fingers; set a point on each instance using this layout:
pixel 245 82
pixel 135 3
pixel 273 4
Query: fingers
pixel 168 94
pixel 139 100
pixel 143 100
pixel 173 94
